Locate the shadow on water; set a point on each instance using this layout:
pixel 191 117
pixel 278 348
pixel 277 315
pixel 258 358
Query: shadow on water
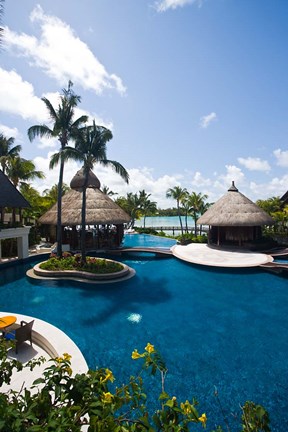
pixel 120 296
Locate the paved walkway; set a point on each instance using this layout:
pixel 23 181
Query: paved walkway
pixel 225 257
pixel 48 341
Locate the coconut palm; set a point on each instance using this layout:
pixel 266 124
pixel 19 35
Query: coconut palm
pixel 64 128
pixel 7 151
pixel 107 191
pixel 90 148
pixel 52 194
pixel 131 205
pixel 148 207
pixel 196 203
pixel 186 208
pixel 21 170
pixel 179 195
pixel 145 205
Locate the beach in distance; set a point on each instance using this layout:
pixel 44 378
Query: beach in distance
pixel 164 221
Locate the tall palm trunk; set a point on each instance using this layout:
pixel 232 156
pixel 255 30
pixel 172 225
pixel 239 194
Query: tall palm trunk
pixel 59 210
pixel 186 221
pixel 83 219
pixel 180 220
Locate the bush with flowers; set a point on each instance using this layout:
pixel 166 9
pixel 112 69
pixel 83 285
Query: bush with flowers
pixel 63 402
pixel 74 262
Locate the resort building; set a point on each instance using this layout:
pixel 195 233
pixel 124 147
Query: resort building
pixel 11 221
pixel 235 220
pixel 104 218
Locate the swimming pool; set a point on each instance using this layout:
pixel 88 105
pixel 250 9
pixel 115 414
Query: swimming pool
pixel 214 327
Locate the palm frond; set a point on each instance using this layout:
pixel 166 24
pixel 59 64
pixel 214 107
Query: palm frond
pixel 41 131
pixel 117 167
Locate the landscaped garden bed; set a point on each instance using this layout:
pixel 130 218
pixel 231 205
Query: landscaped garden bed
pixel 70 266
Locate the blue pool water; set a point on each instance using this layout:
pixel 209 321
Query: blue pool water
pixel 214 327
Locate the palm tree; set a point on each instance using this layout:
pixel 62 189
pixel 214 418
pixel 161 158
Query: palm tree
pixel 179 195
pixel 148 207
pixel 64 128
pixel 131 205
pixel 52 194
pixel 203 208
pixel 145 205
pixel 186 208
pixel 22 170
pixel 7 151
pixel 90 148
pixel 196 202
pixel 107 191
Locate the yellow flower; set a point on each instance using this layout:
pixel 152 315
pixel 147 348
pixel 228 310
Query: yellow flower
pixel 203 420
pixel 136 355
pixel 186 407
pixel 107 397
pixel 109 376
pixel 68 370
pixel 66 356
pixel 149 348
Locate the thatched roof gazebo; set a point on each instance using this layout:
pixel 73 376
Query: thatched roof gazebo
pixel 12 199
pixel 284 199
pixel 234 219
pixel 101 213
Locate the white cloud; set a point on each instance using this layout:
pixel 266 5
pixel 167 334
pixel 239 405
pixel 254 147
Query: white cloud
pixel 199 181
pixel 233 173
pixel 282 157
pixel 8 131
pixel 17 97
pixel 140 178
pixel 144 178
pixel 254 164
pixel 61 54
pixel 164 5
pixel 276 187
pixel 42 164
pixel 206 120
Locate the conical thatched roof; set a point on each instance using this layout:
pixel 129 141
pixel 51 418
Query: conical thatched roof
pixel 10 196
pixel 78 180
pixel 284 198
pixel 234 209
pixel 100 209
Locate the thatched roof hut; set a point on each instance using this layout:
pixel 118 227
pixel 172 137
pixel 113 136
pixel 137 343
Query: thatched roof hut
pixel 284 199
pixel 234 218
pixel 100 208
pixel 10 196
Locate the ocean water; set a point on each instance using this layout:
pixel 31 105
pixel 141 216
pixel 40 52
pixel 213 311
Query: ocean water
pixel 165 221
pixel 215 328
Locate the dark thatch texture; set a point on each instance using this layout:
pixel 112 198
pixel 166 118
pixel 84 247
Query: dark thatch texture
pixel 284 199
pixel 78 180
pixel 234 209
pixel 100 209
pixel 9 195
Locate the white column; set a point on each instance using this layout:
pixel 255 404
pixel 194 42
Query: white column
pixel 22 246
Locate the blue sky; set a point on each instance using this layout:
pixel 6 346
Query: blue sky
pixel 195 92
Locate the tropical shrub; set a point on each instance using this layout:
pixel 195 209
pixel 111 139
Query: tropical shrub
pixel 191 238
pixel 74 262
pixel 65 402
